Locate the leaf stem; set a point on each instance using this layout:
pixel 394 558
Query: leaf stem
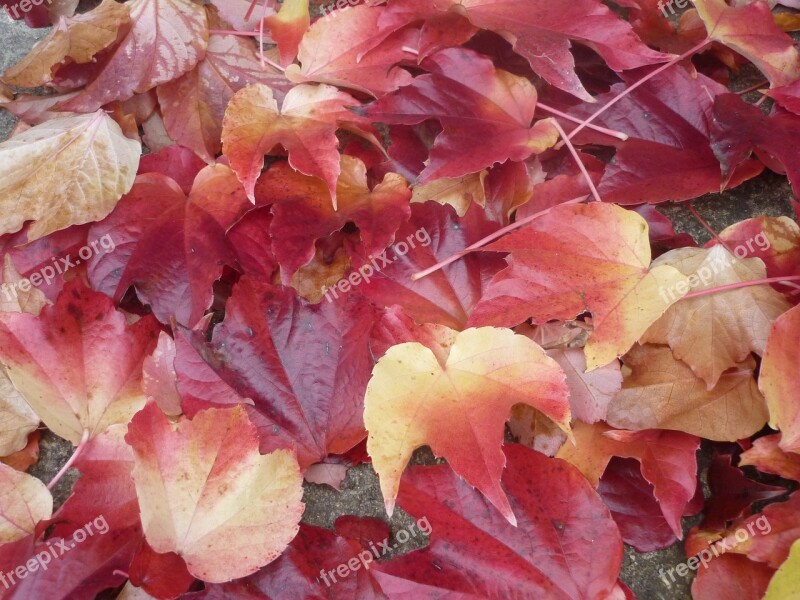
pixel 490 238
pixel 81 446
pixel 617 134
pixel 643 80
pixel 707 227
pixel 741 284
pixel 578 160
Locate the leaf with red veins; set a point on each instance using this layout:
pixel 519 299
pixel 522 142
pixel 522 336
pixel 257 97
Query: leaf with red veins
pixel 562 264
pixel 88 377
pixel 542 31
pixel 24 502
pixel 349 50
pixel 777 379
pixel 767 456
pixel 305 126
pixel 485 113
pixel 566 546
pixel 207 494
pixel 668 460
pixel 751 31
pixel 288 27
pixel 170 247
pixel 302 211
pixel 193 106
pixel 457 400
pixel 304 366
pixel 78 39
pixel 447 296
pixel 740 128
pixel 166 39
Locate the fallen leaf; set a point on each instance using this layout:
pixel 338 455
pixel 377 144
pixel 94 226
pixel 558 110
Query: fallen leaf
pixel 458 407
pixel 717 331
pixel 65 172
pixel 227 510
pixel 25 501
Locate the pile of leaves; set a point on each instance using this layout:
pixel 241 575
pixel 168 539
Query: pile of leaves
pixel 243 247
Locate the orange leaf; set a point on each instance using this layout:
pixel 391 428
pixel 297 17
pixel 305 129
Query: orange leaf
pixel 207 494
pixel 458 404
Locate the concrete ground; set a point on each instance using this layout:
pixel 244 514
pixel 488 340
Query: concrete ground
pixel 360 495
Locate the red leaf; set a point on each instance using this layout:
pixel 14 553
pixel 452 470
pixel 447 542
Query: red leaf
pixel 304 366
pixel 486 114
pixel 566 545
pixel 160 575
pixel 169 247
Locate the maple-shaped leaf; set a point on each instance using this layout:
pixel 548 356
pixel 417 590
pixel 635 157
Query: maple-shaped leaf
pixel 717 331
pixel 447 296
pixel 777 379
pixel 24 502
pixel 668 460
pixel 566 546
pixel 664 393
pixel 193 105
pixel 65 172
pixel 77 38
pixel 288 27
pixel 302 211
pixel 563 264
pixel 767 456
pixel 351 51
pixel 751 31
pixel 88 376
pixel 305 368
pixel 486 114
pixel 166 39
pixel 740 128
pixel 206 493
pixel 170 247
pixel 305 125
pixel 542 32
pixel 457 403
